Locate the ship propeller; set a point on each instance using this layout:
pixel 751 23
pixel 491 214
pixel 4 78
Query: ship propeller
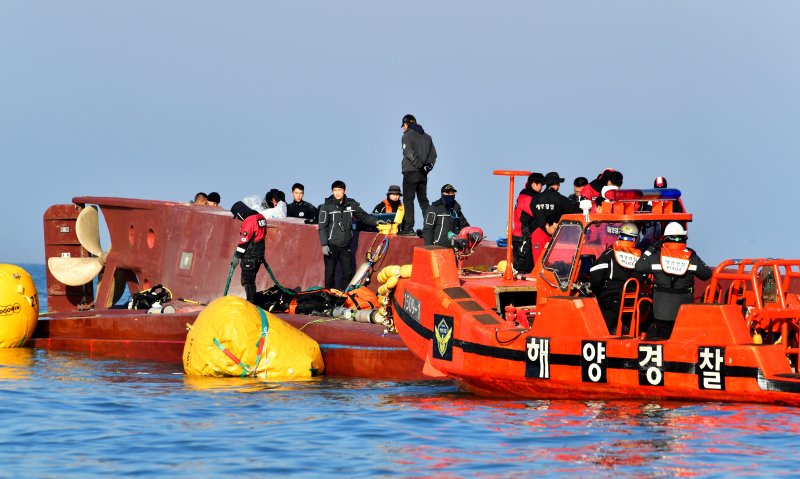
pixel 79 271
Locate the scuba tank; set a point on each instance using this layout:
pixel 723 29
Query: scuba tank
pixel 362 273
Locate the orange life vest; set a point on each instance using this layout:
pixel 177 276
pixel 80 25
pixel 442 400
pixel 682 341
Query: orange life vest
pixel 675 258
pixel 626 254
pixel 361 298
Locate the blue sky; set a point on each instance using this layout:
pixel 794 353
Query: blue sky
pixel 162 99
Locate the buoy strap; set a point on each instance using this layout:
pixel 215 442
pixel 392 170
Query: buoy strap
pixel 262 340
pixel 237 361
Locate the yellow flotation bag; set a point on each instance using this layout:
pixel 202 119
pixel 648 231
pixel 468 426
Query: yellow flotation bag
pixel 232 337
pixel 19 306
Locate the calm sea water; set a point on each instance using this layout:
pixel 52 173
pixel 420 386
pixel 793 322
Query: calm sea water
pixel 63 414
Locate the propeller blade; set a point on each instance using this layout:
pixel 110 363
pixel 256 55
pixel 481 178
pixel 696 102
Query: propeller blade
pixel 74 271
pixel 87 228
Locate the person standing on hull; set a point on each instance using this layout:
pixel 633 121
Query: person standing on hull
pixel 551 201
pixel 674 267
pixel 523 224
pixel 392 202
pixel 443 219
pixel 300 208
pixel 213 199
pixel 419 156
pixel 615 266
pixel 336 232
pixel 250 249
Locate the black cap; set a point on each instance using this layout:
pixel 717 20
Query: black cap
pixel 394 189
pixel 214 197
pixel 553 178
pixel 535 178
pixel 448 188
pixel 338 184
pixel 409 119
pixel 660 182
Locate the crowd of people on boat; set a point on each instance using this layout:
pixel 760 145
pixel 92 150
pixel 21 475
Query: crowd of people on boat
pixel 335 217
pixel 537 212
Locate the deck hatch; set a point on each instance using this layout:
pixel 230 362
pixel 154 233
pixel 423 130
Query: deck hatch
pixel 471 306
pixel 457 293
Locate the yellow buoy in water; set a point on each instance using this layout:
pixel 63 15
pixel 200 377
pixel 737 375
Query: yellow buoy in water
pixel 227 340
pixel 19 306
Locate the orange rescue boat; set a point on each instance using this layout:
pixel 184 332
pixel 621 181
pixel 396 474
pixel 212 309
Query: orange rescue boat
pixel 543 336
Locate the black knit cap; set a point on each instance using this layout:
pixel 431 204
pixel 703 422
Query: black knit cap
pixel 535 178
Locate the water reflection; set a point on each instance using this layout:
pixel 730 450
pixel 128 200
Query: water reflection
pixel 592 436
pixel 15 363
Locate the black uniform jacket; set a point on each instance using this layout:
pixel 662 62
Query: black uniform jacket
pixel 302 209
pixel 336 220
pixel 608 277
pixel 439 221
pixel 670 291
pixel 418 150
pixel 550 201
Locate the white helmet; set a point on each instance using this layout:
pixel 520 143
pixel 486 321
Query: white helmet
pixel 674 229
pixel 629 228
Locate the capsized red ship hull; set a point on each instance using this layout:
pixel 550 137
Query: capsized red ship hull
pixel 188 249
pixel 552 341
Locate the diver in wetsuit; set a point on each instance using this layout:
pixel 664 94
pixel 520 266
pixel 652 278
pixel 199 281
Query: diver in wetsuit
pixel 250 249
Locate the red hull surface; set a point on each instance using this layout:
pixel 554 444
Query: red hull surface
pixel 188 249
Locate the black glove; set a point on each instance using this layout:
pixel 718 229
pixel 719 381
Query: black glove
pixel 427 167
pixel 310 221
pixel 235 261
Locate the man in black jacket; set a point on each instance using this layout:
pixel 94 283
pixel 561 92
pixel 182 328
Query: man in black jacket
pixel 299 208
pixel 674 267
pixel 443 219
pixel 613 268
pixel 419 156
pixel 551 201
pixel 336 232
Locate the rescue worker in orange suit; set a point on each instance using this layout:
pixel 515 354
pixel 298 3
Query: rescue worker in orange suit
pixel 523 224
pixel 250 250
pixel 541 236
pixel 392 202
pixel 674 267
pixel 551 201
pixel 336 217
pixel 615 266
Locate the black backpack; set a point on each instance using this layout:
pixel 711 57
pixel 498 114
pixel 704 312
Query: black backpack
pixel 146 298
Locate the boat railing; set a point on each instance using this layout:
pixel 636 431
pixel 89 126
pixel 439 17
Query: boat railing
pixel 764 288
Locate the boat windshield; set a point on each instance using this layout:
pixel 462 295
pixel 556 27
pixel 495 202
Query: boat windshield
pixel 599 236
pixel 561 256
